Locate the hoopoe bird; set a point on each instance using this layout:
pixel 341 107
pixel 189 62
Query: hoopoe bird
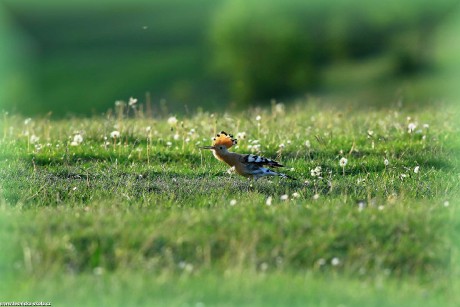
pixel 246 165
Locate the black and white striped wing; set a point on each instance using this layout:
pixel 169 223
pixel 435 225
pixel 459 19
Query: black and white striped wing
pixel 258 160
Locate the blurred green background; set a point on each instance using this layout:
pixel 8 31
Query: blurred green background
pixel 79 57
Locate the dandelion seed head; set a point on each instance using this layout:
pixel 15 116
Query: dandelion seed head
pixel 316 172
pixel 268 202
pixel 176 137
pixel 233 202
pixel 343 162
pixel 115 134
pixel 258 118
pixel 335 261
pixel 307 144
pixel 132 101
pixel 316 196
pixel 295 195
pixel 411 127
pixel 417 169
pixel 34 139
pixel 284 197
pixel 386 162
pixel 172 121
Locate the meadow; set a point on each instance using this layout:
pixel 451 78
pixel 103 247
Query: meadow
pixel 123 209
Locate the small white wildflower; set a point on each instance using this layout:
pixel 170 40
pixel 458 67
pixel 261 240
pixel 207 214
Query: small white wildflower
pixel 132 101
pixel 34 139
pixel 148 129
pixel 231 170
pixel 402 176
pixel 281 146
pixel 295 195
pixel 284 197
pixel 172 121
pixel 176 137
pixel 241 135
pixel 119 103
pixel 343 162
pixel 74 188
pixel 279 108
pixel 316 196
pixel 233 202
pixel 370 133
pixel 115 134
pixel 307 144
pixel 426 126
pixel 268 202
pixel 335 261
pixel 187 140
pixel 417 169
pixel 168 144
pixel 446 203
pixel 411 127
pixel 361 206
pixel 386 162
pixel 381 207
pixel 77 139
pixel 27 121
pixel 258 118
pixel 316 171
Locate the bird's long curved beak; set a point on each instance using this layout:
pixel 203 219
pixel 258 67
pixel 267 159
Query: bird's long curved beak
pixel 207 147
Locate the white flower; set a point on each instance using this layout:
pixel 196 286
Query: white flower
pixel 426 126
pixel 417 169
pixel 77 140
pixel 279 108
pixel 168 144
pixel 34 139
pixel 295 195
pixel 307 144
pixel 316 172
pixel 335 261
pixel 233 202
pixel 411 127
pixel 268 202
pixel 316 196
pixel 176 136
pixel 386 162
pixel 446 203
pixel 241 135
pixel 281 146
pixel 284 197
pixel 27 121
pixel 132 101
pixel 148 129
pixel 343 162
pixel 258 118
pixel 115 134
pixel 172 121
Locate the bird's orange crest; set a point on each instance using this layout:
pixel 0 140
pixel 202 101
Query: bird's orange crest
pixel 224 139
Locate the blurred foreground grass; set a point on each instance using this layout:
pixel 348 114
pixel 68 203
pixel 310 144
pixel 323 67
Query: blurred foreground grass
pixel 125 209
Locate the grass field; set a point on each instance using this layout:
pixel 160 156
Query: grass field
pixel 90 216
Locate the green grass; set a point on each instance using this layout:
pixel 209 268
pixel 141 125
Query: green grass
pixel 148 218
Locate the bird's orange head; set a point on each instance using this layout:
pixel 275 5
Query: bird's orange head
pixel 224 139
